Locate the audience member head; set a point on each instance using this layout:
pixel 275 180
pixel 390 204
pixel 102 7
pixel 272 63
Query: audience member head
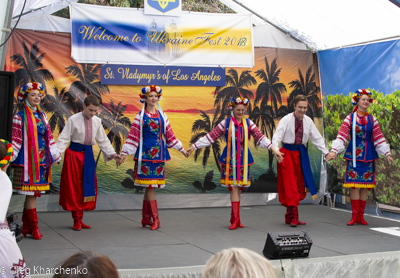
pixel 238 263
pixel 87 264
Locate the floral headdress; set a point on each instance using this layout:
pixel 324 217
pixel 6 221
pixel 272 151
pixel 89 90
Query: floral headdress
pixel 147 90
pixel 26 89
pixel 5 160
pixel 358 94
pixel 236 101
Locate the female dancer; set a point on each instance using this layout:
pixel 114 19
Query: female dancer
pixel 237 130
pixel 366 142
pixel 34 153
pixel 149 139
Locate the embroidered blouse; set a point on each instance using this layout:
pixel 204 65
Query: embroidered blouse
pixel 17 138
pixel 133 139
pixel 219 130
pixel 379 140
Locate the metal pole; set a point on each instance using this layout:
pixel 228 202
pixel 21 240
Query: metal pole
pixel 6 32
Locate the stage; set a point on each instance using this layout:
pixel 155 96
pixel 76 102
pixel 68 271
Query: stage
pixel 188 237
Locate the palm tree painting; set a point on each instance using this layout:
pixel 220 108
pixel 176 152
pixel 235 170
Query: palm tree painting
pixel 88 83
pixel 308 87
pixel 117 125
pixel 269 90
pixel 200 128
pixel 60 106
pixel 207 185
pixel 235 86
pixel 31 66
pixel 129 183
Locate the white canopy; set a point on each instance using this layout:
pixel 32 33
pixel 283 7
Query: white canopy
pixel 44 22
pixel 35 7
pixel 326 24
pixel 320 24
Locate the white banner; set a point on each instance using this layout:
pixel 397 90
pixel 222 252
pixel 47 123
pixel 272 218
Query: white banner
pixel 114 35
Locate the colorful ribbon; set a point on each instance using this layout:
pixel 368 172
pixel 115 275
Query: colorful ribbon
pixel 354 137
pixel 234 134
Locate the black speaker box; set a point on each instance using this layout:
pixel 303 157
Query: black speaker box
pixel 292 244
pixel 6 104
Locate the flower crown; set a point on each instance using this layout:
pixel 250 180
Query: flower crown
pixel 26 89
pixel 5 160
pixel 236 101
pixel 358 94
pixel 147 90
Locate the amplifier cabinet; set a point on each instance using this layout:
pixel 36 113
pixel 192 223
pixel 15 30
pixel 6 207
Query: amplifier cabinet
pixel 287 245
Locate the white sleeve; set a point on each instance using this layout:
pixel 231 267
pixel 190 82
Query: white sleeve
pixel 132 141
pixel 104 143
pixel 337 146
pixel 65 137
pixel 279 133
pixel 317 139
pixel 383 149
pixel 211 137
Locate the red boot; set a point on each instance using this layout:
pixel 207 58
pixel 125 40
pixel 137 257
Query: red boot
pixel 78 224
pixel 154 213
pixel 146 215
pixel 232 218
pixel 361 213
pixel 77 220
pixel 84 226
pixel 26 228
pixel 355 207
pixel 288 215
pixel 240 224
pixel 295 217
pixel 33 221
pixel 235 213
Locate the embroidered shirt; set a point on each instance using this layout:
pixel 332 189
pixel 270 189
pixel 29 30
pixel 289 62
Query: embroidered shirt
pixel 78 130
pixel 298 131
pixel 285 132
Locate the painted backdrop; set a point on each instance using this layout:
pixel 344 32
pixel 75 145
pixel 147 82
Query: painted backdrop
pixel 277 77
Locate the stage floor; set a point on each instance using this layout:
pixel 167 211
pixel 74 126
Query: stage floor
pixel 188 237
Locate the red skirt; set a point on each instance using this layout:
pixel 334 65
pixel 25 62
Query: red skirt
pixel 290 179
pixel 71 184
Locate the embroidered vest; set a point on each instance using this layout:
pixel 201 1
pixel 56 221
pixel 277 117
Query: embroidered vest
pixel 222 160
pixel 365 150
pixel 154 148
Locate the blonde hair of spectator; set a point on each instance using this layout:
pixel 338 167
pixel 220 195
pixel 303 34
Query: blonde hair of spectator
pixel 238 263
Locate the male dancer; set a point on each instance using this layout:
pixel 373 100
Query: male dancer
pixel 78 186
pixel 294 173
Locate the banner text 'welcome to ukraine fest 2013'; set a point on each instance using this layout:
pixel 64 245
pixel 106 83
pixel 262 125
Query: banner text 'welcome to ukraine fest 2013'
pixel 110 35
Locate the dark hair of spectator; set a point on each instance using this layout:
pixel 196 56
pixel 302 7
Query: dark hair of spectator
pixel 87 264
